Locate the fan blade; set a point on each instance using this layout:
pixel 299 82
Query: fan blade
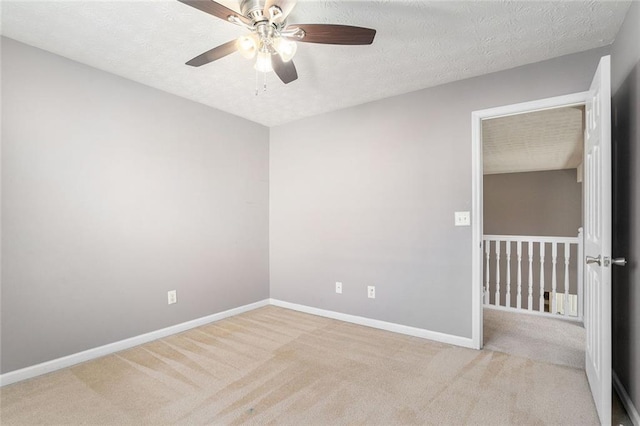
pixel 285 70
pixel 215 9
pixel 286 6
pixel 333 34
pixel 214 54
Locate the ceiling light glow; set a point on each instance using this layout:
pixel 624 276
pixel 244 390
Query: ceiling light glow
pixel 247 46
pixel 263 62
pixel 287 49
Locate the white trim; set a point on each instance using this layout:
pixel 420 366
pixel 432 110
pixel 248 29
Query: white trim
pixel 73 359
pixel 382 325
pixel 625 399
pixel 573 99
pixel 476 190
pixel 90 354
pixel 533 238
pixel 476 231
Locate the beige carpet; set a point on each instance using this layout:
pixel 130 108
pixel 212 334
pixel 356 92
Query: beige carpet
pixel 556 341
pixel 276 366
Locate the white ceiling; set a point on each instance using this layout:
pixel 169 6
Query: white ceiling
pixel 542 140
pixel 419 44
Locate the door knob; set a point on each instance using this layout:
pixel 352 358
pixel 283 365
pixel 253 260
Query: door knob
pixel 620 261
pixel 591 259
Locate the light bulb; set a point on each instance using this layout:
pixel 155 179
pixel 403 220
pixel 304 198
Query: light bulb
pixel 263 62
pixel 287 49
pixel 247 46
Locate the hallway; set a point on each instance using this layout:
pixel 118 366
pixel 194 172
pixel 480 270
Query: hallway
pixel 551 340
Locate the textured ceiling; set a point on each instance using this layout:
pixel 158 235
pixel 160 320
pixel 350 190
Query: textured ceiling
pixel 542 140
pixel 419 44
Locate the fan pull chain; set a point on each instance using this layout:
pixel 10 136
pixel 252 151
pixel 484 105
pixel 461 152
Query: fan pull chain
pixel 264 84
pixel 256 82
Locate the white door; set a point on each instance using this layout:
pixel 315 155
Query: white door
pixel 597 239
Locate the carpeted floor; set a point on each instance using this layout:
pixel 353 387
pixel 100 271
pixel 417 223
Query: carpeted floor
pixel 552 340
pixel 555 341
pixel 276 366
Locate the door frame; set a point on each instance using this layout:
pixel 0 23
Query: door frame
pixel 574 99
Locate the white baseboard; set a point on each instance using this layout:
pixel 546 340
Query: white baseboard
pixel 626 400
pixel 73 359
pixel 67 361
pixel 382 325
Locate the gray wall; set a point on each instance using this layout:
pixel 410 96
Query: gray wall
pixel 114 193
pixel 535 203
pixel 626 203
pixel 367 196
pixel 547 203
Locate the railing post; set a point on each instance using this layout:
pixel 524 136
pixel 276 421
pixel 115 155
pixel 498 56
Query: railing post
pixel 554 278
pixel 519 300
pixel 487 251
pixel 580 274
pixel 508 295
pixel 567 258
pixel 541 298
pixel 530 296
pixel 497 295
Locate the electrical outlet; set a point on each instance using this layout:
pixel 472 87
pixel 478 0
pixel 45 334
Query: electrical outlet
pixel 462 218
pixel 371 292
pixel 172 297
pixel 338 287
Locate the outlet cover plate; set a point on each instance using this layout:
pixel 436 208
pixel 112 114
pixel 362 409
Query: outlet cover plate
pixel 463 218
pixel 338 287
pixel 371 292
pixel 172 297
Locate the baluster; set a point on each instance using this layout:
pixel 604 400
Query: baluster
pixel 530 298
pixel 541 298
pixel 554 277
pixel 519 283
pixel 487 251
pixel 567 257
pixel 508 295
pixel 497 295
pixel 580 273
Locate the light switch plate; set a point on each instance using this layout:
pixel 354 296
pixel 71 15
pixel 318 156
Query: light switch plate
pixel 463 219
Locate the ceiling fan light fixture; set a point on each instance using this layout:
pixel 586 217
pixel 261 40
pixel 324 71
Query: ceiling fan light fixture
pixel 287 49
pixel 272 41
pixel 247 46
pixel 263 62
pixel 275 13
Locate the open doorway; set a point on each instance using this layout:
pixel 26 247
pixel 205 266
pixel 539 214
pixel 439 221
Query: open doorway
pixel 532 223
pixel 479 291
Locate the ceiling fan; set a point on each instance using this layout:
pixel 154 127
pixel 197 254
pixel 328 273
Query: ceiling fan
pixel 271 40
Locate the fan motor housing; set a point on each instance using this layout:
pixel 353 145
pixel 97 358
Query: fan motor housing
pixel 252 9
